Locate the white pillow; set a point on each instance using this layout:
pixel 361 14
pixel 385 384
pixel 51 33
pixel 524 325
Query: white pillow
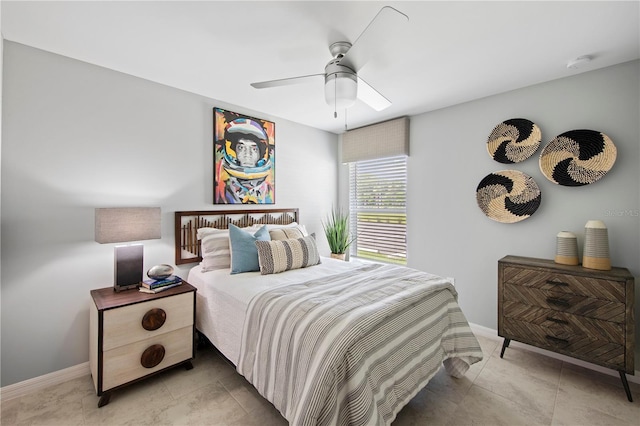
pixel 302 228
pixel 215 249
pixel 202 232
pixel 286 233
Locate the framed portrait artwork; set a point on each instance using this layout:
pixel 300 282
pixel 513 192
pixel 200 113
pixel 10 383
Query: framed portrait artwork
pixel 244 159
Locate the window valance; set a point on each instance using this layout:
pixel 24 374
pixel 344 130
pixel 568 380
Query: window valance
pixel 386 139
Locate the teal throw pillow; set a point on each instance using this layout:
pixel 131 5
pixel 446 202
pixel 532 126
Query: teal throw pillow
pixel 244 254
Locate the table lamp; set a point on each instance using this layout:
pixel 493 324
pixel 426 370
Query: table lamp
pixel 127 224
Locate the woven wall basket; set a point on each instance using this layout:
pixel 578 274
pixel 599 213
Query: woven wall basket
pixel 578 157
pixel 514 140
pixel 508 196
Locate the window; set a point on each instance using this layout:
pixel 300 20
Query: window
pixel 377 209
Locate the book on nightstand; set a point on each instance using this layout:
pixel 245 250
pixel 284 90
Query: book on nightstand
pixel 151 284
pixel 159 289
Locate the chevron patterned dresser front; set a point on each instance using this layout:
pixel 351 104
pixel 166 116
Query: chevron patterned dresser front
pixel 579 312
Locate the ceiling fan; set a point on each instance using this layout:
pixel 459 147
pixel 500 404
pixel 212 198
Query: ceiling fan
pixel 342 84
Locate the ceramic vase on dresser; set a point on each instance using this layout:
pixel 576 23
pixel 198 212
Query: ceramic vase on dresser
pixel 596 246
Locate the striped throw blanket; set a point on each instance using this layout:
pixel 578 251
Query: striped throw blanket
pixel 354 348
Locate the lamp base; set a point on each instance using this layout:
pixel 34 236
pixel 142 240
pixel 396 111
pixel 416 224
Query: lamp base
pixel 128 267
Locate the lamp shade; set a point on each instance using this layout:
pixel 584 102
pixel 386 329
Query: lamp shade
pixel 117 225
pixel 341 90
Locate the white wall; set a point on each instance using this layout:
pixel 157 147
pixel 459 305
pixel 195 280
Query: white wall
pixel 76 137
pixel 449 235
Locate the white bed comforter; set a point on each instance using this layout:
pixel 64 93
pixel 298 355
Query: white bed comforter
pixel 352 348
pixel 222 299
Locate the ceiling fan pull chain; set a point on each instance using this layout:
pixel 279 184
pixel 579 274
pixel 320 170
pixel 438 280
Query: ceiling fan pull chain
pixel 345 119
pixel 335 96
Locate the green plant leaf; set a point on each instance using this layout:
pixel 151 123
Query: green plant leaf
pixel 336 229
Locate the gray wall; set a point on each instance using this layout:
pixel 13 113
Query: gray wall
pixel 449 235
pixel 76 137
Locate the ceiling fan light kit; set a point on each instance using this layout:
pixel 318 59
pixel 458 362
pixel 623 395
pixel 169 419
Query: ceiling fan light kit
pixel 342 84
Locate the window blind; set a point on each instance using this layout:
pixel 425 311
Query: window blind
pixel 386 139
pixel 377 207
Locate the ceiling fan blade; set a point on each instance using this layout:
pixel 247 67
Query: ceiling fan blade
pixel 371 96
pixel 383 26
pixel 286 81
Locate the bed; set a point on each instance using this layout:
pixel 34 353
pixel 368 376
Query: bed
pixel 329 342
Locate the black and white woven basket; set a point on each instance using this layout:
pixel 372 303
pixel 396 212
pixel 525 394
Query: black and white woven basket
pixel 514 140
pixel 508 196
pixel 578 157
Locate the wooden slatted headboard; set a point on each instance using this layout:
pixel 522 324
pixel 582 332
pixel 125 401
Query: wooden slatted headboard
pixel 187 223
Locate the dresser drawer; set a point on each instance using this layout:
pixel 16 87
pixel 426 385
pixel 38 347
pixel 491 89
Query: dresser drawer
pixel 124 363
pixel 598 288
pixel 606 310
pixel 562 324
pixel 586 347
pixel 124 325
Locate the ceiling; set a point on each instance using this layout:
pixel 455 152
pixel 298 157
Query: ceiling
pixel 448 52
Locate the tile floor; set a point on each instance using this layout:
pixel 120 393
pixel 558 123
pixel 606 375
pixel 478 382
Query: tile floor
pixel 524 388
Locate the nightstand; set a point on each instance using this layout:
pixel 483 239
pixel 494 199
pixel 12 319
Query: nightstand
pixel 133 335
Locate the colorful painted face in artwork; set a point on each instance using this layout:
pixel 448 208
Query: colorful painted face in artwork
pixel 244 159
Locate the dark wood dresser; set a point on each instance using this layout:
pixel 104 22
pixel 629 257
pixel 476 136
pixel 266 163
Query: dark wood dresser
pixel 583 313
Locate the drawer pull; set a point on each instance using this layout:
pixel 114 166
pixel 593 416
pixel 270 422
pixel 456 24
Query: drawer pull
pixel 154 319
pixel 556 339
pixel 152 356
pixel 560 283
pixel 558 302
pixel 557 321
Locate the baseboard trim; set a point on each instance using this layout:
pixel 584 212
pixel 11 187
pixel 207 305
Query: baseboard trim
pixel 493 334
pixel 19 389
pixel 25 387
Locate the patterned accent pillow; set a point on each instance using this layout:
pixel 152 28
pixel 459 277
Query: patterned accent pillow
pixel 286 233
pixel 283 255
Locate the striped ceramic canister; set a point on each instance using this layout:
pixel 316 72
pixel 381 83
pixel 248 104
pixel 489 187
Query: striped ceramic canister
pixel 596 246
pixel 567 248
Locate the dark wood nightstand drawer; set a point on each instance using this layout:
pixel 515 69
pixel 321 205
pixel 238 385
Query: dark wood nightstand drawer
pixel 582 346
pixel 566 283
pixel 564 324
pixel 565 302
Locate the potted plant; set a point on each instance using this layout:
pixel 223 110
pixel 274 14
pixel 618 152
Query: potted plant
pixel 336 228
